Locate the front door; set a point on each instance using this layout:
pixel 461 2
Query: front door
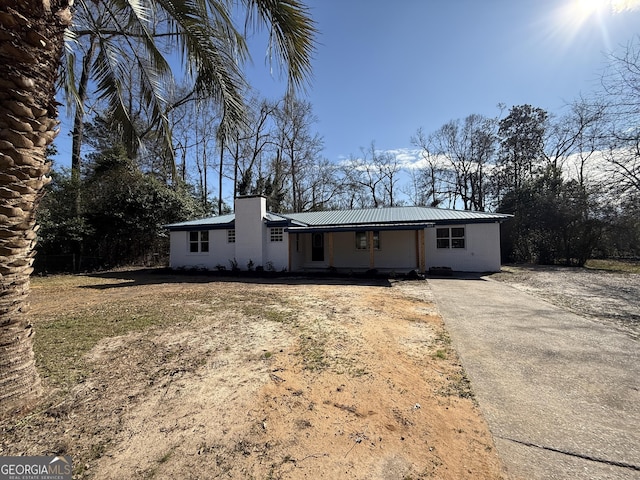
pixel 317 247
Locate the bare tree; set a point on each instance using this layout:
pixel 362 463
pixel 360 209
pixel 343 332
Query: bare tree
pixel 365 177
pixel 390 168
pixel 576 140
pixel 298 144
pixel 622 96
pixel 429 183
pixel 355 194
pixel 249 146
pixel 468 146
pixel 194 125
pixel 321 188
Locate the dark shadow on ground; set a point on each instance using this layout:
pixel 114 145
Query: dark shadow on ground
pixel 155 276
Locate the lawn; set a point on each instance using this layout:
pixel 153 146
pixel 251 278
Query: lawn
pixel 155 375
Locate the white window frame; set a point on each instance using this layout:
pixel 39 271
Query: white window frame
pixel 198 241
pixel 362 240
pixel 231 235
pixel 453 238
pixel 276 234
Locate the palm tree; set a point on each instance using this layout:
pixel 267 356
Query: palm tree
pixel 122 46
pixel 32 34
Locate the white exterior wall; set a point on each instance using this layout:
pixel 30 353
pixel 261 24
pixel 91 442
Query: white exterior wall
pixel 250 230
pixel 297 242
pixel 277 252
pixel 481 252
pixel 220 252
pixel 253 242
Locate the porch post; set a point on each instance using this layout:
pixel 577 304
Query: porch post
pixel 372 259
pixel 330 239
pixel 289 237
pixel 423 254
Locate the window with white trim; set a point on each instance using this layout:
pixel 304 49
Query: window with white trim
pixel 450 237
pixel 231 236
pixel 276 234
pixel 362 240
pixel 199 241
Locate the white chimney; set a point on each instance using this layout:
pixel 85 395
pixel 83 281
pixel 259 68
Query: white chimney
pixel 250 228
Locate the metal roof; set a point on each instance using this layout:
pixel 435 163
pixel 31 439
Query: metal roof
pixel 218 221
pixel 390 215
pixel 387 218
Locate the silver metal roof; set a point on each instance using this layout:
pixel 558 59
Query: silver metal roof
pixel 402 217
pixel 204 222
pixel 391 215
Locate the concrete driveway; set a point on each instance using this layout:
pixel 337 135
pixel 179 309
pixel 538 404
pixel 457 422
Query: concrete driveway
pixel 561 393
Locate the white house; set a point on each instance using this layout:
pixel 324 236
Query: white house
pixel 397 239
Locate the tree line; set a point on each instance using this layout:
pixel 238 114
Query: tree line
pixel 572 180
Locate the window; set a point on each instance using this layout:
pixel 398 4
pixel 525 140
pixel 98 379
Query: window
pixel 442 238
pixel 362 240
pixel 199 242
pixel 231 236
pixel 457 237
pixel 277 234
pixel 450 237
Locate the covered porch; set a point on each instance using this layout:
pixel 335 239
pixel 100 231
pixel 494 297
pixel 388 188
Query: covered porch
pixel 398 248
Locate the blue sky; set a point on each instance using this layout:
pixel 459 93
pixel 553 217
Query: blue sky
pixel 383 69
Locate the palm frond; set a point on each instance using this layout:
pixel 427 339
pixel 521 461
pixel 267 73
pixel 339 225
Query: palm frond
pixel 110 73
pixel 118 55
pixel 140 34
pixel 67 80
pixel 292 35
pixel 137 27
pixel 210 48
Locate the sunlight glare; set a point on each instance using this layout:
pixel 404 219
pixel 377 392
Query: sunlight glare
pixel 583 9
pixel 589 7
pixel 619 6
pixel 579 12
pixel 576 17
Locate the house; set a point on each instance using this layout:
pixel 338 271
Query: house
pixel 398 239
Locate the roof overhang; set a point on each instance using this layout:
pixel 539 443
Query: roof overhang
pixel 202 226
pixel 360 227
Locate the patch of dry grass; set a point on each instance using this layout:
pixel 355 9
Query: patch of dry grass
pixel 616 266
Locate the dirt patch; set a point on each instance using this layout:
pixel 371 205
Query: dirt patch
pixel 255 380
pixel 612 297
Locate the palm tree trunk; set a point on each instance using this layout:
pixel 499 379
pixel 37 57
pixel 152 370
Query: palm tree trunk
pixel 31 42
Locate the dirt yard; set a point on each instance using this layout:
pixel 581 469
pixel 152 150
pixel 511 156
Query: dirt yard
pixel 611 297
pixel 151 375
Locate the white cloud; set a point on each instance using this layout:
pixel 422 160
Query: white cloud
pixel 406 157
pixel 620 6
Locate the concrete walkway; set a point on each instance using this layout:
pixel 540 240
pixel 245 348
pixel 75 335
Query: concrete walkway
pixel 561 393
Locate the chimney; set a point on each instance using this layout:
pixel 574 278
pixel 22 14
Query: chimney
pixel 250 212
